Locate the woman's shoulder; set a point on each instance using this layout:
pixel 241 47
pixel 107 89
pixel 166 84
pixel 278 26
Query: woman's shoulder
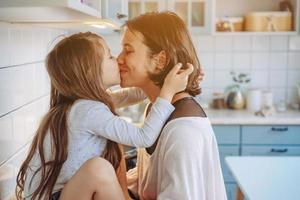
pixel 188 128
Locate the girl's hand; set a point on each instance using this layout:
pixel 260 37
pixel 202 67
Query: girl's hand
pixel 175 81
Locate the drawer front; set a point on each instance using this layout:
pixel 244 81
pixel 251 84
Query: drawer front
pixel 270 134
pixel 227 151
pixel 231 190
pixel 271 150
pixel 227 134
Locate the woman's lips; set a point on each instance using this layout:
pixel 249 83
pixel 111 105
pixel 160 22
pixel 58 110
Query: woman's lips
pixel 123 69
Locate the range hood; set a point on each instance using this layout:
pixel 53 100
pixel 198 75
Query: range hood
pixel 65 14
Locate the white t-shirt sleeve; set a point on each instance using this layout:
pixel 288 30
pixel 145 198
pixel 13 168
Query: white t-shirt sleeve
pixel 101 121
pixel 181 167
pixel 127 96
pixel 191 167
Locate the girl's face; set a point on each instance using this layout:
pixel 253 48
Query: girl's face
pixel 134 61
pixel 110 70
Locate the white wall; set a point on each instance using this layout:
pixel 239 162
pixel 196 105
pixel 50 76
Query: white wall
pixel 273 62
pixel 24 94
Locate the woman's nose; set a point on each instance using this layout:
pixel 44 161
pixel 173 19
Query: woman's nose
pixel 120 58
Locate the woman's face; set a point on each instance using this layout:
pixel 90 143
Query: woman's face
pixel 134 60
pixel 110 70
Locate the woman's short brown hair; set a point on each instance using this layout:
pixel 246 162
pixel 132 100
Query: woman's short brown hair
pixel 166 31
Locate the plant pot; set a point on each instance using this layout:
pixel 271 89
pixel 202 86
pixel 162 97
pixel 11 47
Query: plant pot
pixel 235 100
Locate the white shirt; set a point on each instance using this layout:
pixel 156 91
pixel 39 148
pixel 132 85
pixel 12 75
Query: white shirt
pixel 90 124
pixel 185 164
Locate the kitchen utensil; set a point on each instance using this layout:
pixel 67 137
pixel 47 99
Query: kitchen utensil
pixel 218 101
pixel 230 24
pixel 253 100
pixel 267 99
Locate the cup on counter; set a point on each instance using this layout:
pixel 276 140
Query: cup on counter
pixel 253 102
pixel 267 99
pixel 218 101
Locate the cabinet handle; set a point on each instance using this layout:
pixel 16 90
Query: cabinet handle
pixel 121 16
pixel 279 150
pixel 280 129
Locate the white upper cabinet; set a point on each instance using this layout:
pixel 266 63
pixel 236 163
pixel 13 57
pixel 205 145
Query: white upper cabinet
pixel 115 10
pixel 195 13
pixel 49 10
pixel 256 17
pixel 137 7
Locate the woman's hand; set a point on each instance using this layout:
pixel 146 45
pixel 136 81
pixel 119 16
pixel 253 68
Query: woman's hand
pixel 175 81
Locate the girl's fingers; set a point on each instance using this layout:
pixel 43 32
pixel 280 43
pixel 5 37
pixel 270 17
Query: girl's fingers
pixel 188 71
pixel 175 69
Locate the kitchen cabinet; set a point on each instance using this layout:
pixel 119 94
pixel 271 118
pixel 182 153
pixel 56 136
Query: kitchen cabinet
pixel 138 7
pixel 271 135
pixel 103 16
pixel 228 138
pixel 231 191
pixel 49 11
pixel 195 13
pixel 254 140
pixel 237 8
pixel 201 16
pixel 115 10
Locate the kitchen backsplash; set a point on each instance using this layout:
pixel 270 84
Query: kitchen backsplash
pixel 273 62
pixel 24 94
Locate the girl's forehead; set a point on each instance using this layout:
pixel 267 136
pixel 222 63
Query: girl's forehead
pixel 104 44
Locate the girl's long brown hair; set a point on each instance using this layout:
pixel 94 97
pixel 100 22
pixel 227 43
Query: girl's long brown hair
pixel 74 67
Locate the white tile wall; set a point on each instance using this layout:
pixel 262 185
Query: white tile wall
pixel 241 60
pixel 260 60
pixel 242 43
pixel 223 60
pixel 24 93
pixel 278 60
pixel 279 43
pixel 260 43
pixel 272 61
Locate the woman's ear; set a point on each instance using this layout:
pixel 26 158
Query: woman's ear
pixel 159 61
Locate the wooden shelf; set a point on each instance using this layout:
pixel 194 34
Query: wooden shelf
pixel 255 33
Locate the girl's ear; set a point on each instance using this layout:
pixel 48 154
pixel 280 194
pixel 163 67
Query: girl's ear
pixel 159 61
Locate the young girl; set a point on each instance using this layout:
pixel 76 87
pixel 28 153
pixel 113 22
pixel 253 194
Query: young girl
pixel 82 126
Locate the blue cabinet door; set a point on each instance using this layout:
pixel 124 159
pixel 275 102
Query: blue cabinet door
pixel 270 150
pixel 227 134
pixel 271 135
pixel 227 151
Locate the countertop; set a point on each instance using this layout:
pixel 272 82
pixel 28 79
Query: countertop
pixel 268 178
pixel 245 117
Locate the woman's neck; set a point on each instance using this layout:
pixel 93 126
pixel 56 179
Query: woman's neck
pixel 152 91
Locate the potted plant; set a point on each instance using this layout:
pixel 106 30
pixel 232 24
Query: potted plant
pixel 235 98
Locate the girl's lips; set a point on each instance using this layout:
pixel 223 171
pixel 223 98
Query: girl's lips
pixel 123 69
